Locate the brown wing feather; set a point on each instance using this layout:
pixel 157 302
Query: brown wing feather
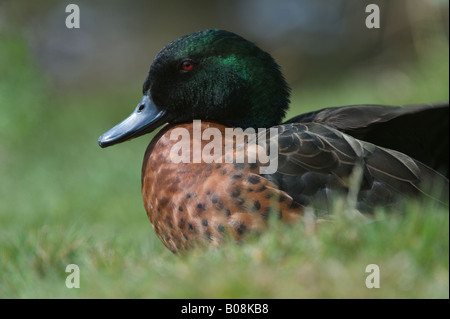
pixel 314 157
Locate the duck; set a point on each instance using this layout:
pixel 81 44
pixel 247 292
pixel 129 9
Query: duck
pixel 219 98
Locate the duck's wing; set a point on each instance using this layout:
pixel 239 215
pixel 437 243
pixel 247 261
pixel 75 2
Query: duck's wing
pixel 315 160
pixel 420 131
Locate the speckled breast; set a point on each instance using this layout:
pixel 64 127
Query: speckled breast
pixel 194 198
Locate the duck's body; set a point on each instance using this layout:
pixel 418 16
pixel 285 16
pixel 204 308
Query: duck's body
pixel 227 82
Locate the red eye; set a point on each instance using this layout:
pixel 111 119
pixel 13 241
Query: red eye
pixel 187 65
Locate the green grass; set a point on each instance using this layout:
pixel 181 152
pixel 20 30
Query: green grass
pixel 63 200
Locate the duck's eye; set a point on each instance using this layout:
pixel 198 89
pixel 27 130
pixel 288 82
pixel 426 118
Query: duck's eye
pixel 187 65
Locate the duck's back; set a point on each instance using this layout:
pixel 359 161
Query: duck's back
pixel 420 131
pixel 315 162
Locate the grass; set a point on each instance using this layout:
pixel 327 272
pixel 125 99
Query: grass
pixel 64 201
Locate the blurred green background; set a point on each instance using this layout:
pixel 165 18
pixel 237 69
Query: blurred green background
pixel 64 200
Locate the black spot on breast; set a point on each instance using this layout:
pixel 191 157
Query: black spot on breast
pixel 261 189
pixel 221 228
pixel 256 205
pixel 204 222
pixel 254 179
pixel 237 176
pixel 224 172
pixel 241 228
pixel 190 226
pixel 214 198
pixel 180 208
pixel 188 195
pixel 218 165
pixel 208 192
pixel 228 212
pixel 239 166
pixel 235 192
pixel 185 237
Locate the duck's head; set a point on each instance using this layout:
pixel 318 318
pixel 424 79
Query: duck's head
pixel 211 75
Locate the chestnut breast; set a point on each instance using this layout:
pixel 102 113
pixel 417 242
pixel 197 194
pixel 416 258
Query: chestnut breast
pixel 201 199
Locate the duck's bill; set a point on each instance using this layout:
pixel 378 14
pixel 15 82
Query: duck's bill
pixel 145 119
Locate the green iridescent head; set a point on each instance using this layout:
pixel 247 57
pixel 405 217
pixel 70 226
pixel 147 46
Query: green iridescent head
pixel 218 76
pixel 211 75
